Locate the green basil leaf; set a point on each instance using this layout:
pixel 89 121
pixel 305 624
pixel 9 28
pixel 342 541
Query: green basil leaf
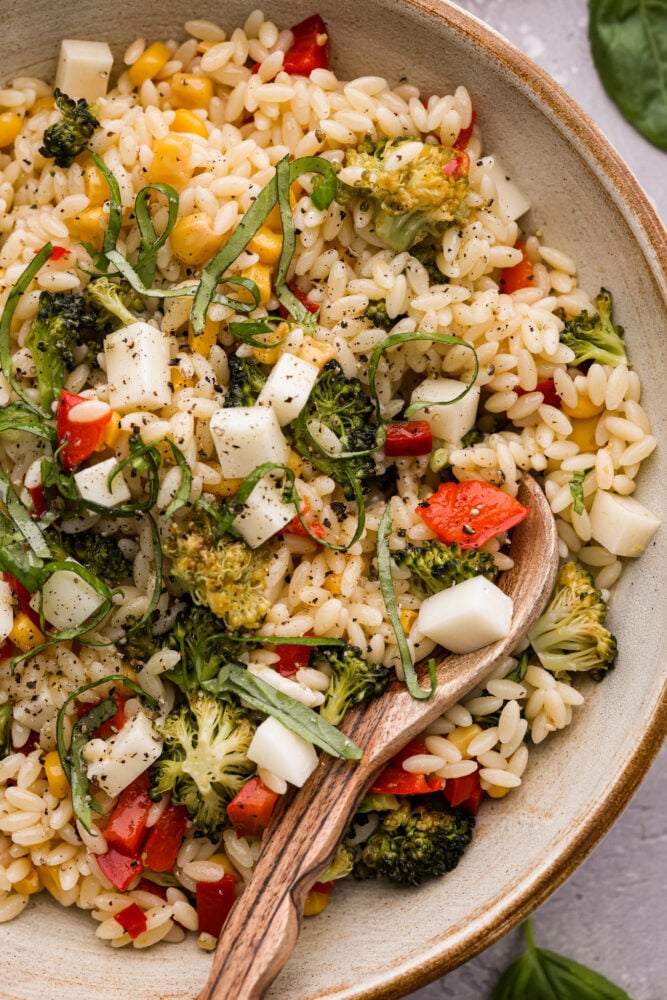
pixel 629 46
pixel 577 491
pixel 82 801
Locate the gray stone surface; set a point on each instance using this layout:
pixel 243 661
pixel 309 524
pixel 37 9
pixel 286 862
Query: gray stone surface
pixel 611 913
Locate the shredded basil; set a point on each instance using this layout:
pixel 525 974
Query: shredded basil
pixel 112 232
pixel 151 243
pixel 248 332
pixel 577 490
pixel 18 416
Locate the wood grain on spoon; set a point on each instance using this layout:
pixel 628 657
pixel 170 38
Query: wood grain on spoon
pixel 263 927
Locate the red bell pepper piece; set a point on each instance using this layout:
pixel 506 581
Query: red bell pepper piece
pixel 323 887
pixel 121 869
pixel 58 253
pixel 145 885
pixel 80 437
pixel 395 780
pixel 250 810
pixel 519 276
pixel 303 299
pixel 457 790
pixel 464 135
pixel 127 825
pixel 296 528
pixel 412 437
pixel 38 497
pixel 470 512
pixel 548 390
pixel 214 901
pixel 132 919
pixel 310 48
pixel 164 839
pixel 292 658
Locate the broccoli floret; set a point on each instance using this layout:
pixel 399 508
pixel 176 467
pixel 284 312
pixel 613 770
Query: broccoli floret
pixel 98 553
pixel 62 324
pixel 341 866
pixel 199 636
pixel 435 566
pixel 220 571
pixel 352 679
pixel 340 405
pixel 414 842
pixel 113 301
pixel 139 643
pixel 66 138
pixel 205 759
pixel 5 730
pixel 595 338
pixel 246 381
pixel 376 313
pixel 570 635
pixel 412 201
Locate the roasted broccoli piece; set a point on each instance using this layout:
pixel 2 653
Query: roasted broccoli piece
pixel 219 571
pixel 570 634
pixel 595 338
pixel 63 322
pixel 140 643
pixel 376 313
pixel 98 553
pixel 352 679
pixel 246 380
pixel 114 302
pixel 5 729
pixel 205 759
pixel 200 637
pixel 434 566
pixel 411 201
pixel 341 865
pixel 66 138
pixel 415 842
pixel 341 406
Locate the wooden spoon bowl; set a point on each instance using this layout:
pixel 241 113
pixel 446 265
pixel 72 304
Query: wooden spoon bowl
pixel 301 840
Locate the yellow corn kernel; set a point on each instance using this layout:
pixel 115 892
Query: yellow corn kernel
pixel 267 244
pixel 262 275
pixel 24 634
pixel 584 408
pixel 497 791
pixel 315 903
pixel 408 618
pixel 55 776
pixel 188 121
pixel 29 885
pixel 220 858
pixel 462 736
pixel 110 433
pixel 225 487
pixel 193 239
pixel 171 164
pixel 42 104
pixel 295 463
pixel 10 126
pixel 89 225
pixel 205 341
pixel 583 433
pixel 317 352
pixel 273 218
pixel 151 62
pixel 190 91
pixel 95 185
pixel 179 381
pixel 332 583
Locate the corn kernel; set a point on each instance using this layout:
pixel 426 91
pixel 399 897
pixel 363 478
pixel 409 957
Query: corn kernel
pixel 151 62
pixel 24 634
pixel 95 185
pixel 583 433
pixel 179 381
pixel 273 220
pixel 89 225
pixel 205 341
pixel 10 126
pixel 317 352
pixel 171 164
pixel 267 244
pixel 497 791
pixel 262 275
pixel 408 618
pixel 111 432
pixel 462 736
pixel 193 239
pixel 332 583
pixel 188 121
pixel 224 487
pixel 220 858
pixel 295 463
pixel 55 776
pixel 29 885
pixel 190 91
pixel 584 408
pixel 315 903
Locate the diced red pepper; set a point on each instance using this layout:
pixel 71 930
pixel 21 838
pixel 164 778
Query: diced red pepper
pixel 548 390
pixel 519 276
pixel 23 596
pixel 32 743
pixel 310 48
pixel 80 438
pixel 250 810
pixel 164 839
pixel 323 887
pixel 214 902
pixel 457 790
pixel 145 885
pixel 296 528
pixel 470 512
pixel 292 658
pixel 132 919
pixel 412 437
pixel 303 299
pixel 395 780
pixel 38 497
pixel 464 135
pixel 459 166
pixel 127 825
pixel 472 803
pixel 116 722
pixel 58 253
pixel 121 869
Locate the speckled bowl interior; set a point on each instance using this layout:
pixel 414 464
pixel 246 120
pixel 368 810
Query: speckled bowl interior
pixel 375 941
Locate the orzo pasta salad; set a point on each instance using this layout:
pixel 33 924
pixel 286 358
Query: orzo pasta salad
pixel 276 350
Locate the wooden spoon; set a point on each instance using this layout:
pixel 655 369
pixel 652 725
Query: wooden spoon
pixel 263 926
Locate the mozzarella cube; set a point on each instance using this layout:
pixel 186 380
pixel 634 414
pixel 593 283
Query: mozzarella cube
pixel 450 421
pixel 6 610
pixel 513 201
pixel 288 387
pixel 84 69
pixel 67 600
pixel 264 512
pixel 138 372
pixel 281 751
pixel 93 484
pixel 622 524
pixel 467 616
pixel 245 437
pixel 125 756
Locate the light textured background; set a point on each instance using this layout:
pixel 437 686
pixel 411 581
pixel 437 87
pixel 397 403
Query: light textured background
pixel 612 913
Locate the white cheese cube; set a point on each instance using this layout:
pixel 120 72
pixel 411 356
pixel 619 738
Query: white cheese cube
pixel 513 201
pixel 451 421
pixel 93 484
pixel 264 512
pixel 288 387
pixel 6 610
pixel 245 437
pixel 84 69
pixel 125 756
pixel 137 362
pixel 622 524
pixel 67 600
pixel 281 751
pixel 467 616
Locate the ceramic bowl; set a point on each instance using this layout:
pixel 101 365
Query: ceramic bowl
pixel 374 941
